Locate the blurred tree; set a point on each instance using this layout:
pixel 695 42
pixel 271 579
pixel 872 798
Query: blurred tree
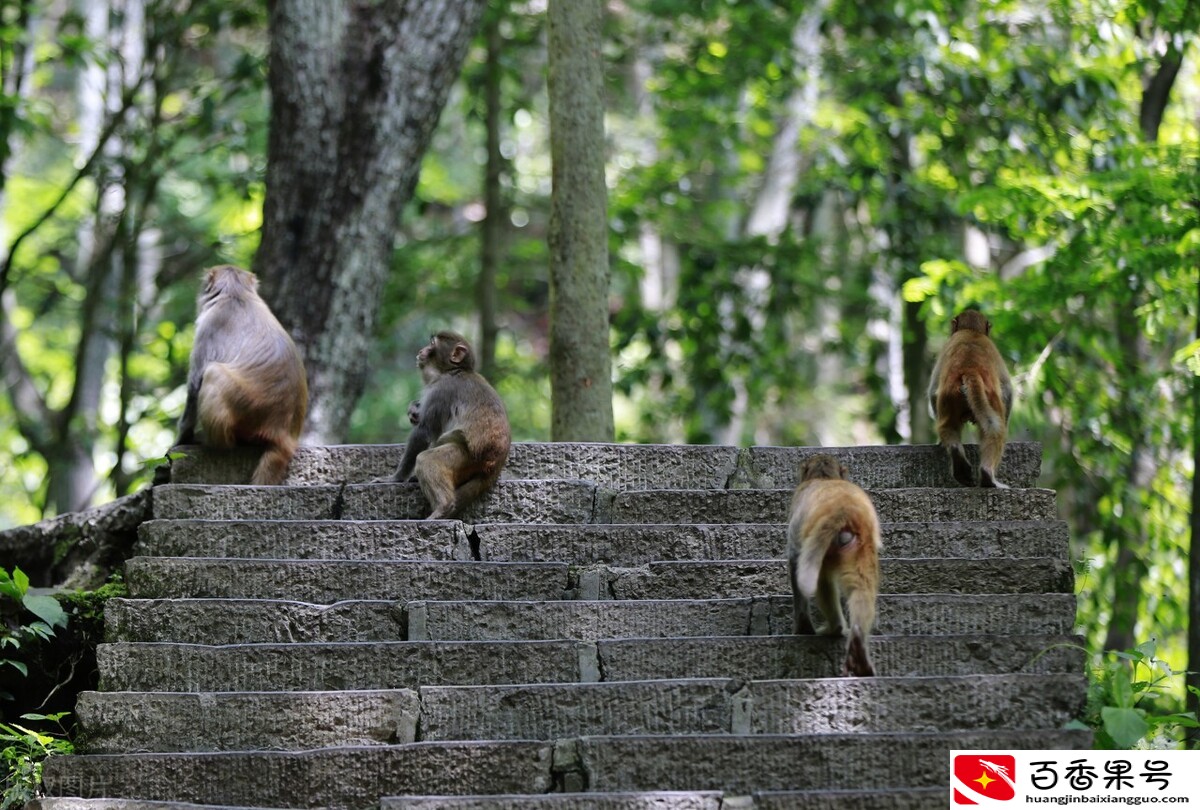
pixel 356 91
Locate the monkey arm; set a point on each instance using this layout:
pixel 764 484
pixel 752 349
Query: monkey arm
pixel 418 441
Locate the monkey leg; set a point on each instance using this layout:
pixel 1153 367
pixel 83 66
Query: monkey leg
pixel 861 606
pixel 949 430
pixel 273 466
pixel 831 605
pixel 801 622
pixel 437 470
pixel 991 448
pixel 215 406
pixel 858 662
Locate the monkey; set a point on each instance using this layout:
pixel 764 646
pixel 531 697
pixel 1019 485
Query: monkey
pixel 970 383
pixel 833 545
pixel 461 436
pixel 246 381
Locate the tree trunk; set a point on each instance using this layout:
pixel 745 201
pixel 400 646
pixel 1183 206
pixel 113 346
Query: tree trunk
pixel 1193 629
pixel 580 362
pixel 497 211
pixel 356 91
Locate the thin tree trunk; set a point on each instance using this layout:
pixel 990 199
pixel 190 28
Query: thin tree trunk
pixel 497 211
pixel 580 362
pixel 356 91
pixel 1193 630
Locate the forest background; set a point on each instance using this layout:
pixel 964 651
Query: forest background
pixel 800 196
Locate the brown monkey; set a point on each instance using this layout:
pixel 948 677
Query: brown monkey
pixel 246 384
pixel 461 436
pixel 833 548
pixel 970 384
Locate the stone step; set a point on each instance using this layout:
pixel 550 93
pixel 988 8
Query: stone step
pixel 118 722
pixel 656 800
pixel 625 466
pixel 327 581
pixel 356 777
pixel 234 621
pixel 577 544
pixel 74 803
pixel 172 667
pixel 912 799
pixel 350 777
pixel 771 505
pixel 581 502
pixel 540 501
pixel 898 614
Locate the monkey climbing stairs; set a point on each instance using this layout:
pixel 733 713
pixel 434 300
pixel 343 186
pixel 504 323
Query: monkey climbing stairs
pixel 606 629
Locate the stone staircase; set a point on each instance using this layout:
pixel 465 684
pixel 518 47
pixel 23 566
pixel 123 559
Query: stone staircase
pixel 607 629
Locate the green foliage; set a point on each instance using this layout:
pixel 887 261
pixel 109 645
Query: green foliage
pixel 24 752
pixel 1135 701
pixel 16 600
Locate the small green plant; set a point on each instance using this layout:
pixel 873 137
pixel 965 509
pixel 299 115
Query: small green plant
pixel 1128 703
pixel 25 752
pixel 15 602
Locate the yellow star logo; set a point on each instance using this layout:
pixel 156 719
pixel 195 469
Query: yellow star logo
pixel 984 781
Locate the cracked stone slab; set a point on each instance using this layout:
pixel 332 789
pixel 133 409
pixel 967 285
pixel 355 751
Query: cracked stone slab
pixel 351 778
pixel 306 539
pixel 635 544
pixel 697 579
pixel 776 657
pixel 651 800
pixel 624 466
pixel 173 667
pixel 713 706
pixel 240 621
pixel 747 763
pixel 771 505
pixel 888 467
pixel 74 803
pixel 510 501
pixel 327 581
pixel 579 544
pixel 614 466
pixel 593 620
pixel 119 722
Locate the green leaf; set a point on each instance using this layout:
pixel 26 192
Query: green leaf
pixel 1121 688
pixel 1189 355
pixel 17 665
pixel 1125 726
pixel 46 608
pixel 22 579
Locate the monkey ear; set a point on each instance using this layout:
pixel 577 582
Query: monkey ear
pixel 458 353
pixel 987 327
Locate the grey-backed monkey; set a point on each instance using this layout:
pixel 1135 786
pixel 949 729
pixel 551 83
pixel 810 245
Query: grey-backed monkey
pixel 833 549
pixel 461 436
pixel 970 384
pixel 246 382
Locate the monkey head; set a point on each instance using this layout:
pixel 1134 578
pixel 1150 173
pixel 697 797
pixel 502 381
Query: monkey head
pixel 225 279
pixel 446 352
pixel 822 466
pixel 973 320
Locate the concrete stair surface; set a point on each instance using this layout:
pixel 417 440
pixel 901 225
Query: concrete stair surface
pixel 609 629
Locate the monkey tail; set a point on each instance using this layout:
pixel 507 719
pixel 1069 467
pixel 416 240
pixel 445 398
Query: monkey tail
pixel 984 403
pixel 826 530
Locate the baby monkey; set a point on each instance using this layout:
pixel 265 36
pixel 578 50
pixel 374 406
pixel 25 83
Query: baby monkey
pixel 246 382
pixel 461 436
pixel 833 548
pixel 970 384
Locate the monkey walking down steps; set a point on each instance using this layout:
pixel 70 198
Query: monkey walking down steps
pixel 608 628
